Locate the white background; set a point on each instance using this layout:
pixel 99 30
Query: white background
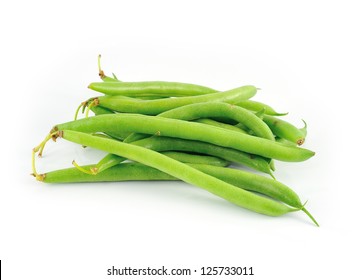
pixel 304 57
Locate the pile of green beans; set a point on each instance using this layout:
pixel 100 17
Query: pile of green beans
pixel 157 130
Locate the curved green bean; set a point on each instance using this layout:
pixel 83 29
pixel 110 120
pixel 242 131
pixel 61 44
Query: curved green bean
pixel 127 171
pixel 188 130
pixel 286 130
pixel 138 172
pixel 258 106
pixel 154 107
pixel 247 119
pixel 181 171
pixel 220 109
pixel 162 144
pixel 157 88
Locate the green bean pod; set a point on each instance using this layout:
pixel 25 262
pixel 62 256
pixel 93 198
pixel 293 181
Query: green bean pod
pixel 286 130
pixel 253 182
pixel 154 107
pixel 154 125
pixel 181 171
pixel 256 183
pixel 258 106
pixel 216 109
pixel 111 160
pixel 127 171
pixel 135 171
pixel 249 131
pixel 139 172
pixel 149 88
pixel 163 144
pixel 219 109
pixel 119 134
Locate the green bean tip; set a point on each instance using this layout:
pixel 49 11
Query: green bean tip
pixel 309 215
pixel 281 114
pixel 304 128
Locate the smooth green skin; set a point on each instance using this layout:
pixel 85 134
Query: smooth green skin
pixel 98 110
pixel 285 129
pixel 220 109
pixel 181 171
pixel 285 142
pixel 128 171
pixel 197 159
pixel 154 107
pixel 257 183
pixel 245 128
pixel 111 160
pixel 253 182
pixel 119 134
pixel 258 106
pixel 157 88
pixel 135 137
pixel 121 172
pixel 222 125
pixel 154 125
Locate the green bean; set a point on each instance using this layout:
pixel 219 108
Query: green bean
pixel 157 88
pixel 219 109
pixel 256 183
pixel 99 110
pixel 257 106
pixel 162 144
pixel 188 130
pixel 119 134
pixel 138 172
pixel 181 171
pixel 154 107
pixel 121 172
pixel 249 131
pixel 253 182
pixel 286 130
pixel 111 160
pixel 215 109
